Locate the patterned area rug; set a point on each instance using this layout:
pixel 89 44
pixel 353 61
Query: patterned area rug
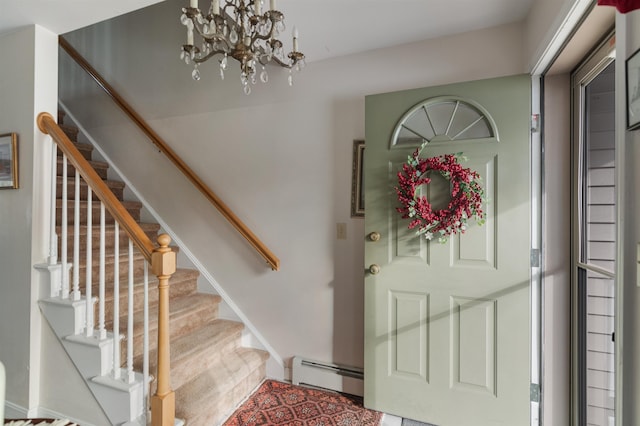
pixel 277 403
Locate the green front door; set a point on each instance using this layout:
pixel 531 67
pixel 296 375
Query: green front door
pixel 447 326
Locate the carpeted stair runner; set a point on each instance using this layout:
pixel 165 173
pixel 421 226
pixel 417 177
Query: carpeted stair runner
pixel 211 372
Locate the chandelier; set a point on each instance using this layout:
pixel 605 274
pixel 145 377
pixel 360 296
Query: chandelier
pixel 242 30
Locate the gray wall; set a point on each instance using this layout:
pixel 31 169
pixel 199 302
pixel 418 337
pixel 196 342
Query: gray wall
pixel 40 375
pixel 26 87
pixel 557 249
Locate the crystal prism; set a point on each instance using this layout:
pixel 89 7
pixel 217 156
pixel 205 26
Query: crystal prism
pixel 233 37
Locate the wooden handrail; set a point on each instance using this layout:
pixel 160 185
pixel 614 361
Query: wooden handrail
pixel 47 125
pixel 255 242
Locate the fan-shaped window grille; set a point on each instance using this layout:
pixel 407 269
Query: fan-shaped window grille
pixel 443 119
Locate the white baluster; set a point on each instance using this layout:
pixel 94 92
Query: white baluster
pixel 145 336
pixel 53 238
pixel 116 302
pixel 130 374
pixel 101 329
pixel 88 291
pixel 65 202
pixel 76 241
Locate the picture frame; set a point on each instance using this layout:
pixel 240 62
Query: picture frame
pixel 9 161
pixel 357 180
pixel 632 68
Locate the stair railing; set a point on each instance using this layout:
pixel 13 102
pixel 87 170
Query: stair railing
pixel 228 214
pixel 161 258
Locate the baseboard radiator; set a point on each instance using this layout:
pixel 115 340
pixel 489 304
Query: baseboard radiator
pixel 327 375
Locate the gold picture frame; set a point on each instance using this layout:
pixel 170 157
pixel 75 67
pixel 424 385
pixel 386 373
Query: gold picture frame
pixel 9 161
pixel 357 180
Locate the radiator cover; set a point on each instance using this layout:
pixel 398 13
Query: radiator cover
pixel 327 375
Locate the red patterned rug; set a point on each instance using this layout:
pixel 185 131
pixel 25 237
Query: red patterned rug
pixel 277 403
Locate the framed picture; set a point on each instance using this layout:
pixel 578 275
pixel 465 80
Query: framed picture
pixel 9 161
pixel 633 91
pixel 357 180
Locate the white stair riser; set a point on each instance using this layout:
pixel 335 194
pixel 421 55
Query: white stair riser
pixel 66 317
pixel 120 405
pixel 91 357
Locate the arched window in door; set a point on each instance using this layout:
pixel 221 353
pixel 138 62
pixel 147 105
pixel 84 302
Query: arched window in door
pixel 443 119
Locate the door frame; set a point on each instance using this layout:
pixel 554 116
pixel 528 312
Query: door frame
pixel 555 42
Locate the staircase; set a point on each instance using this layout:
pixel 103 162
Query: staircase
pixel 211 372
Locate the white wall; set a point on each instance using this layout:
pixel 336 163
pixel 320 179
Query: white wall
pixel 280 158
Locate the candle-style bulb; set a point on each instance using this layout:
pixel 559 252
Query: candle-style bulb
pixel 272 4
pixel 193 3
pixel 257 7
pixel 295 39
pixel 190 37
pixel 215 4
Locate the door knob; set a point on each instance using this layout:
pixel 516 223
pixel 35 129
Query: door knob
pixel 374 269
pixel 374 236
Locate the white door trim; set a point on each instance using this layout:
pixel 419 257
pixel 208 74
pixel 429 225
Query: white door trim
pixel 537 268
pixel 620 144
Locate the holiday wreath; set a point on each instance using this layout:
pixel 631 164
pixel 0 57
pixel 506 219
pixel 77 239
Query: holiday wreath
pixel 467 195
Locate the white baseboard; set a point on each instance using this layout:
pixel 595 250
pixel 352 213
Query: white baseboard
pixel 14 411
pixel 46 413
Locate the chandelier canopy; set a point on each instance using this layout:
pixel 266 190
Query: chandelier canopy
pixel 242 30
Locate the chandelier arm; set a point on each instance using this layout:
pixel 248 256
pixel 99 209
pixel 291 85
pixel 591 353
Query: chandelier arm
pixel 281 63
pixel 223 9
pixel 220 38
pixel 208 56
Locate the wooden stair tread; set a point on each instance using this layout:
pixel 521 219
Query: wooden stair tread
pixel 129 205
pixel 181 277
pixel 67 129
pixel 212 384
pixel 203 337
pixel 199 350
pixel 179 307
pixel 110 228
pixel 110 183
pixel 86 150
pixel 110 257
pixel 94 163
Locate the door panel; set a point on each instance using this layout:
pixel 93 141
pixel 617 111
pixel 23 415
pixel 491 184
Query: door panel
pixel 477 248
pixel 473 344
pixel 447 325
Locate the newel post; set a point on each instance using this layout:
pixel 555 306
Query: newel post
pixel 163 264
